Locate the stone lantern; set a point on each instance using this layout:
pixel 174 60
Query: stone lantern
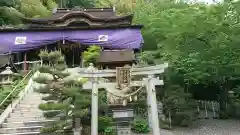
pixel 7 76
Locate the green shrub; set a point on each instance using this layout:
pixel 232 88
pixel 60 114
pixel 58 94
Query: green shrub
pixel 104 122
pixel 140 126
pixel 110 131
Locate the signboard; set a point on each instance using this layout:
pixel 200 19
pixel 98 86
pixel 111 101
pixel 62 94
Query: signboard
pixel 122 114
pixel 123 76
pixel 20 40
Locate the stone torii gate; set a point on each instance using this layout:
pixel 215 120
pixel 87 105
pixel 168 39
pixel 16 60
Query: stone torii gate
pixel 149 82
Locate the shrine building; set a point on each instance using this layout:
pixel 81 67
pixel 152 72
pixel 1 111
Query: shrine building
pixel 72 31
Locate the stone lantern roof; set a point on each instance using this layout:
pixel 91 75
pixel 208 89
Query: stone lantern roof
pixel 7 71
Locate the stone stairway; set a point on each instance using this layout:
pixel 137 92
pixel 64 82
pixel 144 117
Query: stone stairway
pixel 26 118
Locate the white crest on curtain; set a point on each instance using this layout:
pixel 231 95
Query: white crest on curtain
pixel 103 38
pixel 20 40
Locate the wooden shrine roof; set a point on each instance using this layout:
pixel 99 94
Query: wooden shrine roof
pixel 116 56
pixel 81 17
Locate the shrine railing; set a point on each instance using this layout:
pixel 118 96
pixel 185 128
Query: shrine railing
pixel 14 102
pixel 16 88
pixel 29 64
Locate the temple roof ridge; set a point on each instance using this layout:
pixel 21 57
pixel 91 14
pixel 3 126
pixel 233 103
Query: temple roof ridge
pixel 81 17
pixel 85 9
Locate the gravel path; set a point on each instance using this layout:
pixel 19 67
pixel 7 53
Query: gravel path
pixel 206 127
pixel 211 127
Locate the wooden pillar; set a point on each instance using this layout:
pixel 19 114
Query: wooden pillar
pixel 25 62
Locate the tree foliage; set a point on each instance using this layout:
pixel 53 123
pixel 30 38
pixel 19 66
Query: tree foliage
pixel 200 42
pixel 122 7
pixel 81 3
pixel 12 10
pixel 91 54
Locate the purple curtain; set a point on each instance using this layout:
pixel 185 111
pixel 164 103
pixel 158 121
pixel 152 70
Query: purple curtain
pixel 127 38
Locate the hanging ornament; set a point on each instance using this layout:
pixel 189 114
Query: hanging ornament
pixel 130 99
pixel 124 102
pixel 111 100
pixel 135 98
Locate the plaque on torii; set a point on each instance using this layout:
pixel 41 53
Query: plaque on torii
pixel 123 81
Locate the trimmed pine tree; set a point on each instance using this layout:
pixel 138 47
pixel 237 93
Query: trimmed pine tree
pixel 64 96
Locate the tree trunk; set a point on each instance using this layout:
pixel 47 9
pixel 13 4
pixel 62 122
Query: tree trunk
pixel 223 102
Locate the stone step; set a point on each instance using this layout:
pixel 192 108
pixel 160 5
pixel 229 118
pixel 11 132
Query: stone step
pixel 30 111
pixel 28 105
pixel 20 130
pixel 26 113
pixel 24 119
pixel 27 110
pixel 17 115
pixel 31 102
pixel 33 95
pixel 27 133
pixel 25 124
pixel 32 98
pixel 27 117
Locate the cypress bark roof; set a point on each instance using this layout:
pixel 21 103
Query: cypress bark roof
pixel 116 56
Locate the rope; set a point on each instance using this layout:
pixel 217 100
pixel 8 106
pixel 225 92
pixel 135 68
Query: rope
pixel 128 95
pixel 121 96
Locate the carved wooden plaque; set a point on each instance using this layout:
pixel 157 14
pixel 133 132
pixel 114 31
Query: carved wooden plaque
pixel 123 76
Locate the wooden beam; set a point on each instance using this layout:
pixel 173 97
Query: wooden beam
pixel 88 85
pixel 25 63
pixel 150 68
pixel 112 73
pixel 133 70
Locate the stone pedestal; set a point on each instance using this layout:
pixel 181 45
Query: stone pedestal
pixel 122 118
pixel 125 130
pixel 77 131
pixel 77 128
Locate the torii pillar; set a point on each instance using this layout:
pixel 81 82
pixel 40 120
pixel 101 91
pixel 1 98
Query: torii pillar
pixel 150 83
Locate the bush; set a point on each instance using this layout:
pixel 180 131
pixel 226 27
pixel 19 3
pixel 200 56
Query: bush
pixel 104 122
pixel 140 126
pixel 110 131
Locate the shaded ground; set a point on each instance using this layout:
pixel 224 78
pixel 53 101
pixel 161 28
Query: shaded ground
pixel 163 132
pixel 206 127
pixel 211 127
